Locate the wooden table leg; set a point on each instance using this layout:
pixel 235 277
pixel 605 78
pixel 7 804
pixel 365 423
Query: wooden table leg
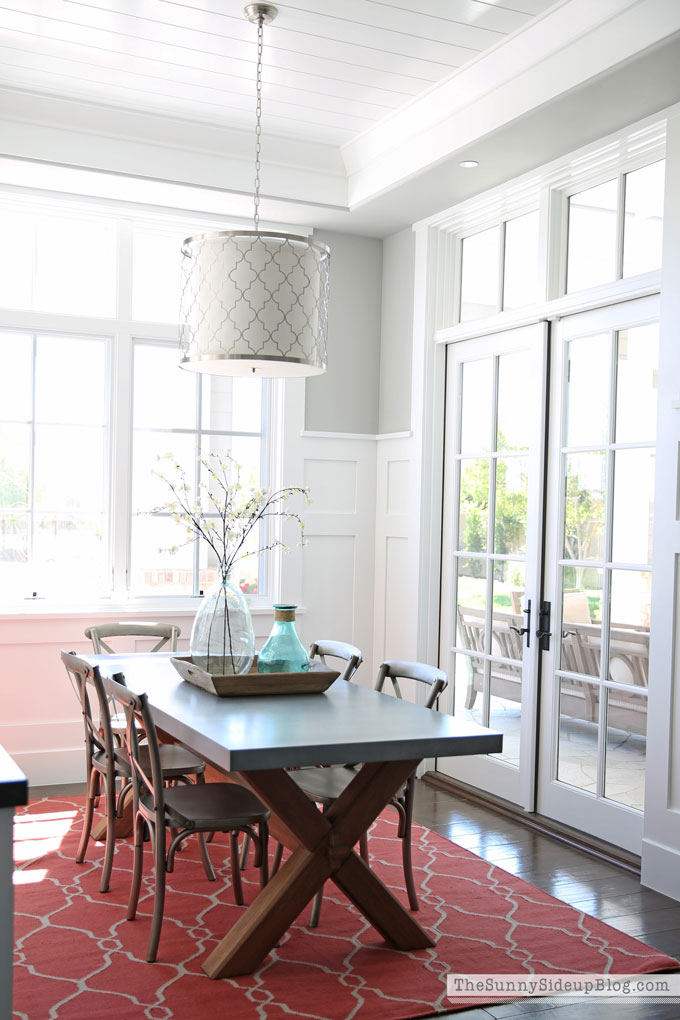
pixel 324 849
pixel 123 822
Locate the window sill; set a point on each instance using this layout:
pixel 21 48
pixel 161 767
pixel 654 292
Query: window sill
pixel 134 609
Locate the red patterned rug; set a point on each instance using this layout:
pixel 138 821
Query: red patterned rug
pixel 77 957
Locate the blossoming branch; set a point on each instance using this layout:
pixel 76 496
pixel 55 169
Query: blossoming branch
pixel 228 510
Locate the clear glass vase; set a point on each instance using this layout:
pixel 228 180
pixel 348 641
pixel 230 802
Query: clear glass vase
pixel 283 652
pixel 222 638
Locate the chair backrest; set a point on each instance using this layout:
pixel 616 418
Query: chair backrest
pixel 167 632
pixel 136 706
pixel 350 654
pixel 396 670
pixel 98 737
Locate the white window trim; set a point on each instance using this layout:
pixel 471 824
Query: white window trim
pixel 547 189
pixel 120 332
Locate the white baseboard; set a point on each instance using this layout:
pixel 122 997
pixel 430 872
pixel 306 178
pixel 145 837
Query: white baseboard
pixel 661 868
pixel 52 768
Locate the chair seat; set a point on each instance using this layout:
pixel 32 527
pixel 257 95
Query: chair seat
pixel 176 761
pixel 324 785
pixel 218 806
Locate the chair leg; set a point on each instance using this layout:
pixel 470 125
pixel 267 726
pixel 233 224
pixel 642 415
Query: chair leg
pixel 278 854
pixel 205 858
pixel 406 844
pixel 318 899
pixel 316 909
pixel 199 778
pixel 245 851
pixel 111 815
pixel 159 892
pixel 89 812
pixel 235 868
pixel 263 830
pixel 363 847
pixel 138 863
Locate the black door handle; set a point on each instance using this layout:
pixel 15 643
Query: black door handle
pixel 525 630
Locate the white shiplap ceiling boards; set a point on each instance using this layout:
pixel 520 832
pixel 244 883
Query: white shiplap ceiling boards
pixel 361 97
pixel 333 68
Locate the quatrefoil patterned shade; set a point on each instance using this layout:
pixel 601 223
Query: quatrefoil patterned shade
pixel 254 301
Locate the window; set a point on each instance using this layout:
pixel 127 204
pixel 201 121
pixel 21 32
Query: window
pixel 53 463
pixel 155 273
pixel 58 261
pixel 615 228
pixel 500 268
pixel 90 403
pixel 186 416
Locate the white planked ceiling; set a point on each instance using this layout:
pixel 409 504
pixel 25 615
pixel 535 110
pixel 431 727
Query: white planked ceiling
pixel 333 68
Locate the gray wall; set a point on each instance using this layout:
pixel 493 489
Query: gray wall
pixel 396 343
pixel 345 398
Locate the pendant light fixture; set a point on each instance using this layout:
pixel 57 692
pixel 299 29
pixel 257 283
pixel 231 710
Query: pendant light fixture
pixel 254 301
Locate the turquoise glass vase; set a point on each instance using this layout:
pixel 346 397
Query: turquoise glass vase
pixel 283 652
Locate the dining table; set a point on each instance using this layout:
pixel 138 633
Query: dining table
pixel 256 739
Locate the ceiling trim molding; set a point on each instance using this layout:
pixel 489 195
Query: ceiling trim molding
pixel 94 137
pixel 553 55
pixel 636 145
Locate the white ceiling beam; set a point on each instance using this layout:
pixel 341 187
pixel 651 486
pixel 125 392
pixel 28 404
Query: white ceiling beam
pixel 167 149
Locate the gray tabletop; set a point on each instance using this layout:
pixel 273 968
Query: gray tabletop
pixel 347 723
pixel 13 783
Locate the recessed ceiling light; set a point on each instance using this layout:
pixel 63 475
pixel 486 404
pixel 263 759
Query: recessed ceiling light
pixel 468 163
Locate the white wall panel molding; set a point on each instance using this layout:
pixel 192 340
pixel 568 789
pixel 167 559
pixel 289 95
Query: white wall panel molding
pixel 393 630
pixel 553 55
pixel 357 436
pixel 54 767
pixel 41 722
pixel 661 867
pixel 661 838
pixel 337 564
pixel 364 437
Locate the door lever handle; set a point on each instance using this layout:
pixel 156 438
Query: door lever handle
pixel 525 630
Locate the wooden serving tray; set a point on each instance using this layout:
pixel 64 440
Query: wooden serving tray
pixel 316 681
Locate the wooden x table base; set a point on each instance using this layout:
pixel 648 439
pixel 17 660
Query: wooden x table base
pixel 323 848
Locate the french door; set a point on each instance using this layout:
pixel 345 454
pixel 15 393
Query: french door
pixel 598 575
pixel 491 550
pixel 584 572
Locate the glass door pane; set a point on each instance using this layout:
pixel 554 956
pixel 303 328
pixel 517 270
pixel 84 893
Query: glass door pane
pixel 493 502
pixel 599 572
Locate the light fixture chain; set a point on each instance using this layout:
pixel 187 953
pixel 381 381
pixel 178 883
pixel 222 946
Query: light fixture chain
pixel 258 118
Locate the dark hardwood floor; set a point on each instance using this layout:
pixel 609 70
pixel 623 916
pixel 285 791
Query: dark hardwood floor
pixel 601 889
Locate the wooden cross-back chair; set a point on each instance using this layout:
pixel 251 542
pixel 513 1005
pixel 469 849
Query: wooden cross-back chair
pixel 349 654
pixel 166 632
pixel 106 762
pixel 184 810
pixel 325 785
pixel 321 649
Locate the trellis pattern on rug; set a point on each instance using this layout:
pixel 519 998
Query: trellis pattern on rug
pixel 77 957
